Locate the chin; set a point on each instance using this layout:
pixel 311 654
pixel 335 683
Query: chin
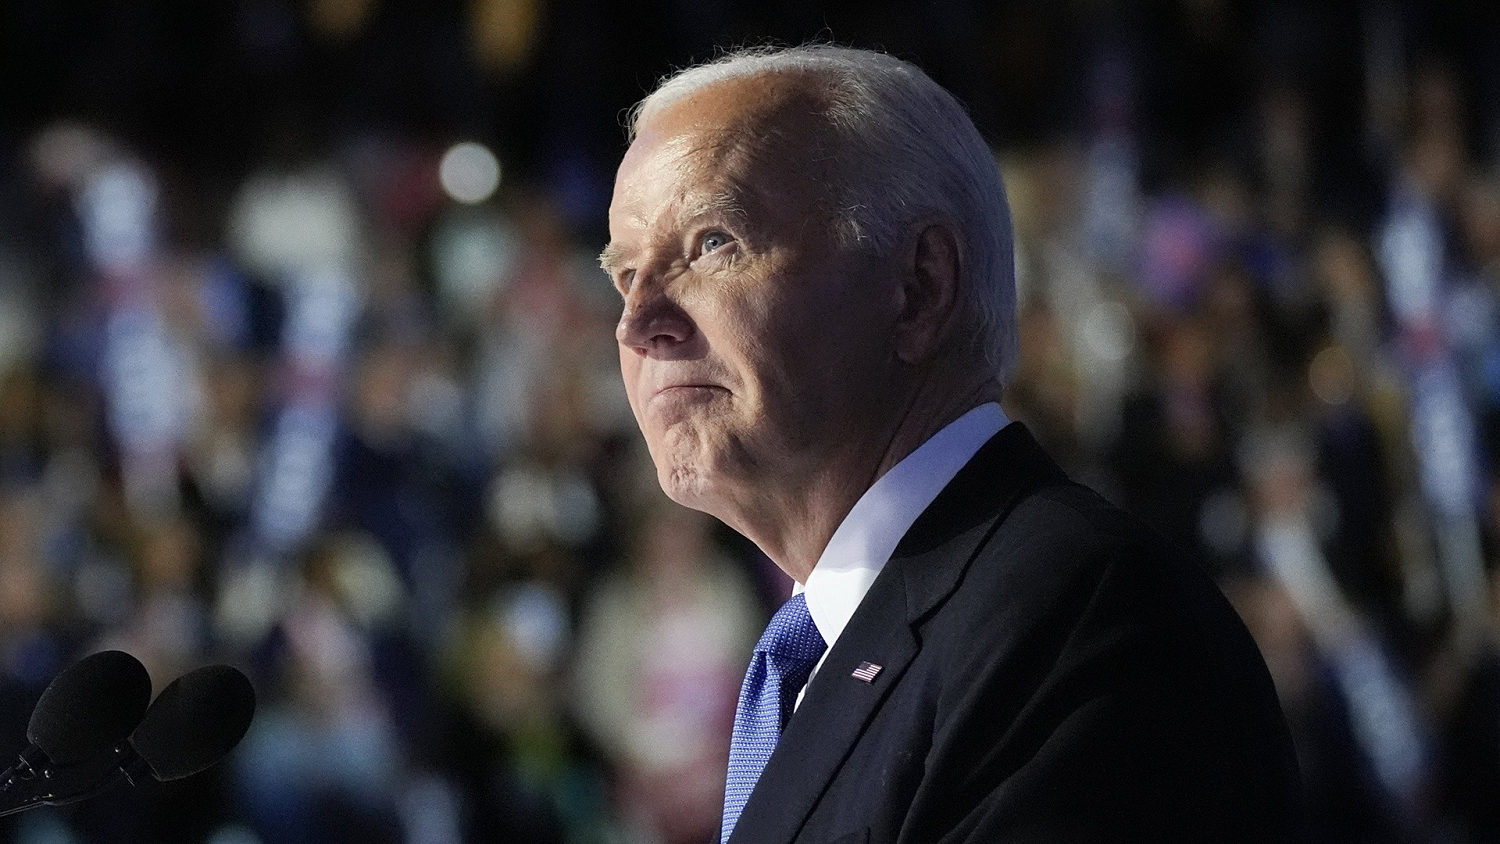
pixel 683 482
pixel 695 465
pixel 692 484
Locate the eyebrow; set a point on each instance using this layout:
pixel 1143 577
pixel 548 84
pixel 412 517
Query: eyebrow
pixel 612 256
pixel 727 202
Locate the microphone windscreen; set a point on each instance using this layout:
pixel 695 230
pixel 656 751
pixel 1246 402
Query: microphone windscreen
pixel 90 707
pixel 195 721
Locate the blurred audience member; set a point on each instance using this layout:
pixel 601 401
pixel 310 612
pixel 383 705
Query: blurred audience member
pixel 657 672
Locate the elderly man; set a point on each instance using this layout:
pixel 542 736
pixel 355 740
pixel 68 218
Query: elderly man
pixel 813 249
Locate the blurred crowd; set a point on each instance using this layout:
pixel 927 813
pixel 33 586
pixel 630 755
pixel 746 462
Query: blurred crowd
pixel 291 379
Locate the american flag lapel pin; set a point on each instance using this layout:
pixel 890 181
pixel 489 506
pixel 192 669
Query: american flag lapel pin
pixel 866 671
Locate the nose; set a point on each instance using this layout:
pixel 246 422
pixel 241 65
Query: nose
pixel 652 324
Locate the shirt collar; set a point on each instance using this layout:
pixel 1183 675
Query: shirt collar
pixel 867 537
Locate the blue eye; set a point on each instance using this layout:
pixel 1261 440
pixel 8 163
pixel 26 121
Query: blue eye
pixel 714 241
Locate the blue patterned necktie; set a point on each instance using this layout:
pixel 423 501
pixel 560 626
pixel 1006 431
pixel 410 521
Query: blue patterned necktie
pixel 784 657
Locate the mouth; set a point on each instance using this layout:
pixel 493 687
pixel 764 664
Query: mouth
pixel 679 397
pixel 687 390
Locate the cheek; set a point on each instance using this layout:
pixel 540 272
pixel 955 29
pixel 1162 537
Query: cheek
pixel 753 321
pixel 630 369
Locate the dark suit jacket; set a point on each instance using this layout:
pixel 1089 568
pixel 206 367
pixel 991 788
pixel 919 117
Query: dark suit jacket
pixel 1049 671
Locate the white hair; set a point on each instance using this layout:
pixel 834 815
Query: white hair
pixel 911 153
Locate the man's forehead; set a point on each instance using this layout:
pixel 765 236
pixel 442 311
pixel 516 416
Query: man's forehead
pixel 747 147
pixel 696 151
pixel 685 169
pixel 733 127
pixel 732 124
pixel 680 174
pixel 787 99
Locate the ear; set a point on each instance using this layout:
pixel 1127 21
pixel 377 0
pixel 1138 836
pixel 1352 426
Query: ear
pixel 929 291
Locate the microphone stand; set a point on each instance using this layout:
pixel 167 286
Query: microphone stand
pixel 35 781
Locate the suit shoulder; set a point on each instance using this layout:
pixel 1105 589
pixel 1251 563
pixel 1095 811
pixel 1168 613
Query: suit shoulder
pixel 1065 536
pixel 1065 559
pixel 1075 515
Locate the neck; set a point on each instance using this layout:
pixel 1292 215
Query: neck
pixel 821 503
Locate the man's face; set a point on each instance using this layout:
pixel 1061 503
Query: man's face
pixel 754 348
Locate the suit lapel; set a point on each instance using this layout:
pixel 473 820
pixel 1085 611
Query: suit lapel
pixel 923 571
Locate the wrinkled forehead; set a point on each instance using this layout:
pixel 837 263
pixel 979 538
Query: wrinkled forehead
pixel 667 179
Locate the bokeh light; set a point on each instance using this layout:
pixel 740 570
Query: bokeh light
pixel 469 172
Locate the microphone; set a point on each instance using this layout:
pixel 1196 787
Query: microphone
pixel 196 720
pixel 83 714
pixel 90 707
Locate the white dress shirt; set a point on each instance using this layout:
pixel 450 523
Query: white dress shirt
pixel 867 537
